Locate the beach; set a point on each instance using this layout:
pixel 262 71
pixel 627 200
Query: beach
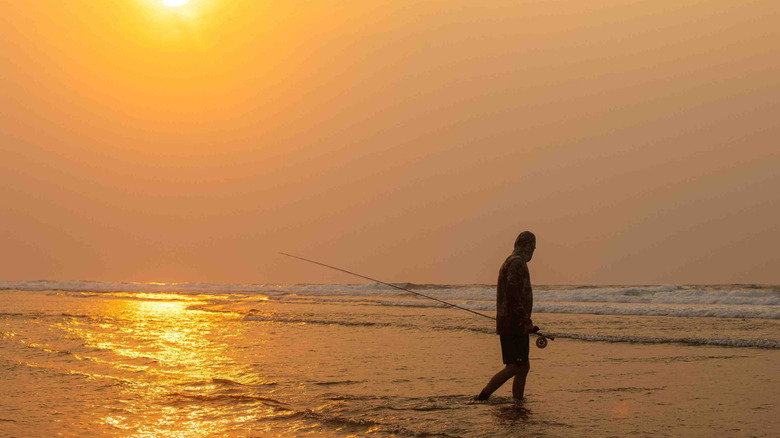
pixel 126 359
pixel 201 201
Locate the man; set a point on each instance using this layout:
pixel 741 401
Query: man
pixel 513 317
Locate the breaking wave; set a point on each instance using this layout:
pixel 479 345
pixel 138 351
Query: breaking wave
pixel 722 342
pixel 720 301
pixel 756 343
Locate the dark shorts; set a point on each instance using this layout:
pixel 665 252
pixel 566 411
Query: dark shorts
pixel 514 348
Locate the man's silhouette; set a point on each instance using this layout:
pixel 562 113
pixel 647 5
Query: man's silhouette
pixel 514 303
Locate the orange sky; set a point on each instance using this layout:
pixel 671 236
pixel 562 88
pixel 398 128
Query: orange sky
pixel 406 140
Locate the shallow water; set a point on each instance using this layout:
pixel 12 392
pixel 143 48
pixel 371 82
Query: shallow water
pixel 245 363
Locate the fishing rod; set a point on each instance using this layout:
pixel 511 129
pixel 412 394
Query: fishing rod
pixel 388 284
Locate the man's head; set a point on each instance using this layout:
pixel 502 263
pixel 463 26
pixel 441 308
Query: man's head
pixel 525 245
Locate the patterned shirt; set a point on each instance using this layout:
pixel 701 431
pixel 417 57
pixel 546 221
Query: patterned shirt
pixel 515 298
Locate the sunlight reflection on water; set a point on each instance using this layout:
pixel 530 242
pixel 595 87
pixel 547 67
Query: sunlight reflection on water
pixel 174 354
pixel 233 365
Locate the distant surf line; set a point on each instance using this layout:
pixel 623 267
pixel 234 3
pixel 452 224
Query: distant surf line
pixel 388 284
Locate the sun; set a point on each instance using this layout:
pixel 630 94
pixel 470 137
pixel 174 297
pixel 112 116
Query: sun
pixel 175 3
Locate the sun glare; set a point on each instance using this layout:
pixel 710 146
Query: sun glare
pixel 175 3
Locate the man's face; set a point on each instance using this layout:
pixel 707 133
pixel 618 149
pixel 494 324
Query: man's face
pixel 530 253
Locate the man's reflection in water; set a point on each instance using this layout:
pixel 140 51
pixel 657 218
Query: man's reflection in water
pixel 512 413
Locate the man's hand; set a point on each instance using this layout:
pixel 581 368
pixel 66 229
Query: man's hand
pixel 530 327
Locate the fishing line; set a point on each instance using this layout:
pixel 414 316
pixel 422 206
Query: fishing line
pixel 388 284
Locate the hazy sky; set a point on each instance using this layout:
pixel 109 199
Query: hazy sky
pixel 406 140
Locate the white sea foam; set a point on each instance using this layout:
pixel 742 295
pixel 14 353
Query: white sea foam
pixel 715 311
pixel 757 343
pixel 635 339
pixel 681 310
pixel 726 301
pixel 733 295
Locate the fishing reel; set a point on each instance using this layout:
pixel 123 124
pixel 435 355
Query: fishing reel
pixel 541 340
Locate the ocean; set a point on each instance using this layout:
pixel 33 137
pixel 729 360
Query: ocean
pixel 86 359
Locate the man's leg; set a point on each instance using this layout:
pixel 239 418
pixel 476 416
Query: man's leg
pixel 499 379
pixel 518 385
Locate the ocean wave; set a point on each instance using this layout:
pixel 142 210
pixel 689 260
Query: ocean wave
pixel 722 342
pixel 702 311
pixel 304 320
pixel 755 343
pixel 339 422
pixel 339 382
pixel 669 294
pixel 724 301
pixel 179 398
pixel 112 287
